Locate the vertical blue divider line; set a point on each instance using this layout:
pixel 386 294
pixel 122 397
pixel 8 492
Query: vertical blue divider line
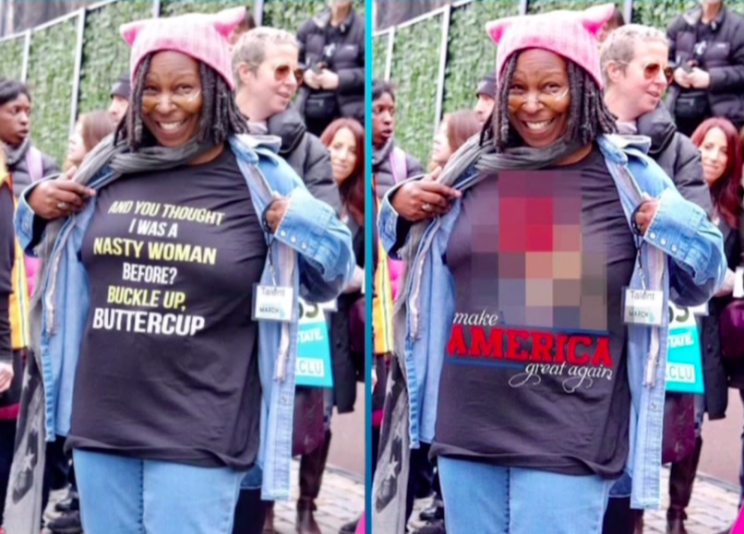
pixel 368 264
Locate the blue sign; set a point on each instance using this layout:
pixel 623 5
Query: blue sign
pixel 313 367
pixel 684 372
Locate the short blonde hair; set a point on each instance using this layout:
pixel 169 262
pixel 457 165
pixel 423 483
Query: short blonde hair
pixel 251 48
pixel 620 45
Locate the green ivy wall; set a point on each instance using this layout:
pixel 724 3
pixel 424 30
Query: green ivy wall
pixel 470 53
pixel 541 6
pixel 51 69
pixel 10 52
pixel 415 70
pixel 379 54
pixel 171 8
pixel 105 53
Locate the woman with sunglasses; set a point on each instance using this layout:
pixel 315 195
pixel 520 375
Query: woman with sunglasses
pixel 265 66
pixel 718 141
pixel 166 336
pixel 543 235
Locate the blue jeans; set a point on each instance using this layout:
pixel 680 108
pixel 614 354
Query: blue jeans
pixel 487 499
pixel 120 495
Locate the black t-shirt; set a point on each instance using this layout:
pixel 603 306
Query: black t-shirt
pixel 534 374
pixel 169 363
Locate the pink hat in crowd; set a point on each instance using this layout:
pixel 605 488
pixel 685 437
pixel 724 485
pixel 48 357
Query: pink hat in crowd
pixel 570 34
pixel 202 37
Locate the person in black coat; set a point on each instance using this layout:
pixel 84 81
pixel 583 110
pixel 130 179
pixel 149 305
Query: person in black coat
pixel 707 54
pixel 265 65
pixel 332 57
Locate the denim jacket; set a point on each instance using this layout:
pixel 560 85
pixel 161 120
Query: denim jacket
pixel 311 251
pixel 680 254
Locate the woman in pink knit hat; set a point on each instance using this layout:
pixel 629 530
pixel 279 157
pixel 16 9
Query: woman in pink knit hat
pixel 165 338
pixel 531 329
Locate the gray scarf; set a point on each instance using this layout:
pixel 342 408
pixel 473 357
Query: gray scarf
pixel 14 155
pixel 23 503
pixel 390 481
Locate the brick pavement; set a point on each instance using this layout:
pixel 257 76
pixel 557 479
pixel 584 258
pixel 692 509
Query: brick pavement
pixel 712 510
pixel 341 500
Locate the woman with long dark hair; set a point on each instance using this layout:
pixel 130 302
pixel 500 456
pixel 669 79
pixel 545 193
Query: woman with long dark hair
pixel 166 335
pixel 344 139
pixel 720 152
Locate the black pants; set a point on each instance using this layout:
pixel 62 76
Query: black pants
pixel 56 469
pixel 420 476
pixel 249 513
pixel 7 445
pixel 376 431
pixel 618 518
pixel 312 467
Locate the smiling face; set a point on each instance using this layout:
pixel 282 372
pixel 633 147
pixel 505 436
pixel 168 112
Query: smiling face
pixel 273 82
pixel 172 99
pixel 539 98
pixel 15 120
pixel 641 83
pixel 343 151
pixel 714 153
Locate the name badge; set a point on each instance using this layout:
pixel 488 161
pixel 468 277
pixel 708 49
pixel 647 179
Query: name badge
pixel 739 283
pixel 643 306
pixel 272 303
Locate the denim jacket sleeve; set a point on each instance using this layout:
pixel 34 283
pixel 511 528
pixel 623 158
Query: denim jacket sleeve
pixel 392 228
pixel 694 246
pixel 312 228
pixel 29 227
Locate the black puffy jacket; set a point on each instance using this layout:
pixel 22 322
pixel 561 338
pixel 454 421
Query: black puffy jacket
pixel 307 155
pixel 722 58
pixel 677 155
pixel 346 48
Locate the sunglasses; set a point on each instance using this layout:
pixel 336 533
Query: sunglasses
pixel 652 69
pixel 282 72
pixel 651 72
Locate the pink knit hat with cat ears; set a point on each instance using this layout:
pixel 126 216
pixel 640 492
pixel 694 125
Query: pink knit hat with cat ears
pixel 202 37
pixel 570 34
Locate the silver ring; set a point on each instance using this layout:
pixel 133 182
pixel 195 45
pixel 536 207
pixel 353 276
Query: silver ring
pixel 426 207
pixel 63 206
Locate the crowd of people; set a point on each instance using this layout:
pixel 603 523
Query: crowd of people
pixel 150 372
pixel 642 130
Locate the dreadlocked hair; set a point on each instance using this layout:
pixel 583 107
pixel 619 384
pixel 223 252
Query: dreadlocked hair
pixel 220 116
pixel 588 116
